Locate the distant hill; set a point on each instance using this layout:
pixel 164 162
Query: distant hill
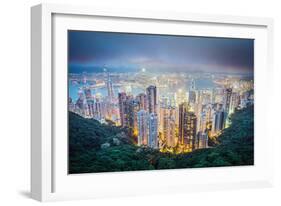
pixel 95 147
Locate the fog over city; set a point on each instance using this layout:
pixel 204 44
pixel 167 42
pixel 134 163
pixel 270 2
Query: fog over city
pixel 123 52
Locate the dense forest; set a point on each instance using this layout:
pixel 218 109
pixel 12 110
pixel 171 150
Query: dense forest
pixel 95 147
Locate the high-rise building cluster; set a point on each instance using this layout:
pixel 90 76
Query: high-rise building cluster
pixel 139 115
pixel 178 121
pixel 96 105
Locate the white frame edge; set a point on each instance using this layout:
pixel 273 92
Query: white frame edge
pixel 41 75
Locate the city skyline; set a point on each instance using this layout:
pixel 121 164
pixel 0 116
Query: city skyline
pixel 157 103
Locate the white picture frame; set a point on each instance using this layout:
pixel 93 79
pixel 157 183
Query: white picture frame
pixel 49 179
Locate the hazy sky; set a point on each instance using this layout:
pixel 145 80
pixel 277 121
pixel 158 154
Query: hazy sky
pixel 130 52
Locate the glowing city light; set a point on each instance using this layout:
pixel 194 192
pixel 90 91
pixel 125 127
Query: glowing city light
pixel 159 111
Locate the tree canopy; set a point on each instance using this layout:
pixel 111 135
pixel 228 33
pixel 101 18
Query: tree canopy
pixel 96 147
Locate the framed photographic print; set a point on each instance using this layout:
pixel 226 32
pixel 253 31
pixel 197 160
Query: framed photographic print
pixel 133 102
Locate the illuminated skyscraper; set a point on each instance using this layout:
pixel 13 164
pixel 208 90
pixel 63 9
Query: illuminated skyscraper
pixel 227 98
pixel 170 131
pixel 132 108
pixel 153 130
pixel 80 104
pixel 98 108
pixel 192 93
pixel 205 118
pixel 187 126
pixel 209 112
pixel 142 118
pixel 91 107
pixel 110 92
pixel 168 124
pixel 234 102
pixel 151 94
pixel 88 93
pixel 198 106
pixel 142 99
pixel 203 122
pixel 192 85
pixel 164 101
pixel 122 97
pixel 226 103
pixel 218 121
pixel 192 97
pixel 180 96
pixel 202 140
pixel 213 96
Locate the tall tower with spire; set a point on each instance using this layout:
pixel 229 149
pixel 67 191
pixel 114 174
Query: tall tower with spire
pixel 109 86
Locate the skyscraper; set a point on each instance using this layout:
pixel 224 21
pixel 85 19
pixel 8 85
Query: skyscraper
pixel 203 122
pixel 132 108
pixel 226 99
pixel 226 103
pixel 202 140
pixel 91 108
pixel 142 99
pixel 151 93
pixel 88 93
pixel 153 130
pixel 218 121
pixel 168 124
pixel 192 85
pixel 198 107
pixel 110 92
pixel 170 131
pixel 187 126
pixel 180 96
pixel 213 95
pixel 234 102
pixel 142 118
pixel 122 97
pixel 205 118
pixel 192 97
pixel 79 104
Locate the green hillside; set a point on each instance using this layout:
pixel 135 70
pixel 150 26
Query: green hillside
pixel 95 147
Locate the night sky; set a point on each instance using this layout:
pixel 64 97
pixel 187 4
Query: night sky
pixel 91 51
